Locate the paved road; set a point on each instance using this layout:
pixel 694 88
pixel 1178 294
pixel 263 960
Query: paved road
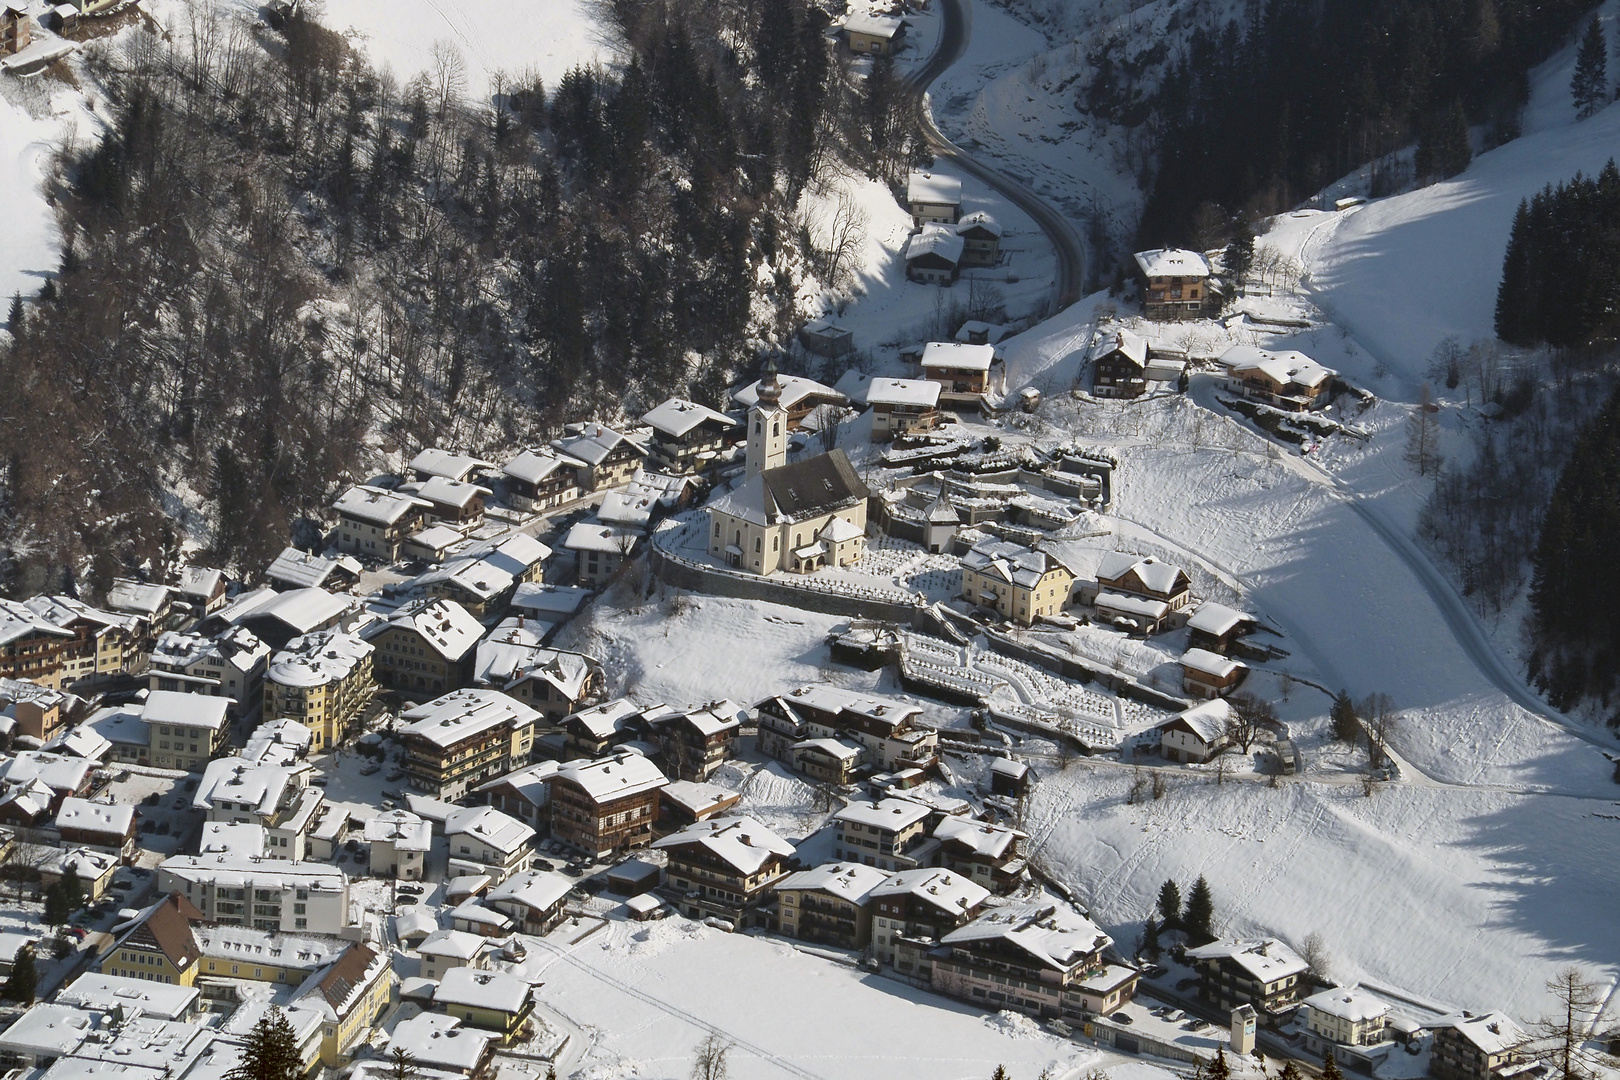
pixel 1069 282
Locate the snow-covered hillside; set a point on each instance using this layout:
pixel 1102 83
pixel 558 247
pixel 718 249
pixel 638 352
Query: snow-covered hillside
pixel 516 40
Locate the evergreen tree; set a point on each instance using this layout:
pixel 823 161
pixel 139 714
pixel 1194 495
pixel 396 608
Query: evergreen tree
pixel 270 1051
pixel 1290 1071
pixel 1240 255
pixel 1346 724
pixel 57 911
pixel 1590 85
pixel 1000 1073
pixel 402 1064
pixel 1218 1069
pixel 23 979
pixel 1150 939
pixel 1170 903
pixel 15 319
pixel 72 888
pixel 1330 1068
pixel 1200 913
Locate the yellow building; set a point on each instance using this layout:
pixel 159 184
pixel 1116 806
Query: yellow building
pixel 1016 582
pixel 491 1000
pixel 158 946
pixel 350 996
pixel 323 681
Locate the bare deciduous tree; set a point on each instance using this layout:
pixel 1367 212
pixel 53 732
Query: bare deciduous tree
pixel 1313 950
pixel 1560 1037
pixel 1381 722
pixel 1423 435
pixel 711 1059
pixel 1249 715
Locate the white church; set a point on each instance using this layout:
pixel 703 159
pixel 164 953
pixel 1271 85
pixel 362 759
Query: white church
pixel 798 517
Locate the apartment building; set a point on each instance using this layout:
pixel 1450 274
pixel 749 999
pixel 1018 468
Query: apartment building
pixel 324 681
pixel 458 741
pixel 266 894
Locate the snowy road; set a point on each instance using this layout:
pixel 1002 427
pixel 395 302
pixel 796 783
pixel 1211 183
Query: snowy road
pixel 1069 281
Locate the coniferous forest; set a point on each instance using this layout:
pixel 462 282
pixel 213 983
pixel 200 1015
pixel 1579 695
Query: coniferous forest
pixel 1561 274
pixel 279 260
pixel 1260 113
pixel 1575 620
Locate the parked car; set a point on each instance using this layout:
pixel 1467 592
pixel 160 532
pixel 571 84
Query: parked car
pixel 1122 1018
pixel 368 770
pixel 544 864
pixel 78 933
pixel 395 776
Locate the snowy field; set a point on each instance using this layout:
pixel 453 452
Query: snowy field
pixel 519 41
pixel 642 995
pixel 36 115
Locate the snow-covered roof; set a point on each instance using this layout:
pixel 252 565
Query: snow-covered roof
pixel 301 610
pixel 549 600
pixel 490 827
pixel 795 388
pixel 376 505
pixel 847 881
pixel 435 538
pixel 1003 766
pixel 677 416
pixel 538 463
pixel 120 725
pixel 304 569
pixel 318 659
pixel 832 700
pixel 415 920
pixel 446 492
pixel 935 240
pixel 18 620
pixel 1493 1032
pixel 1207 720
pixel 980 837
pixel 285 950
pixel 1109 600
pixel 1217 619
pixel 88 864
pixel 401 828
pixel 447 463
pixel 56 772
pixel 447 627
pixel 625 508
pixel 943 889
pixel 1155 574
pixel 487 572
pixel 495 990
pixel 1132 347
pixel 592 443
pixel 872 25
pixel 1209 663
pixel 439 1041
pixel 1010 562
pixel 462 713
pixel 933 188
pixel 600 536
pixel 613 777
pixel 922 392
pixel 740 842
pixel 278 742
pixel 242 871
pixel 981 220
pixel 1052 935
pixel 696 798
pixel 1350 1003
pixel 890 814
pixel 199 582
pixel 540 890
pixel 238 647
pixel 529 781
pixel 957 356
pixel 82 741
pixel 716 717
pixel 1172 262
pixel 138 597
pixel 110 818
pixel 804 489
pixel 1266 960
pixel 837 749
pixel 472 912
pixel 93 990
pixel 607 719
pixel 232 838
pixel 1284 368
pixel 453 943
pixel 465 885
pixel 512 653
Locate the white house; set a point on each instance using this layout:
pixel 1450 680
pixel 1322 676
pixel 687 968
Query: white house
pixel 484 840
pixel 1198 733
pixel 399 842
pixel 933 197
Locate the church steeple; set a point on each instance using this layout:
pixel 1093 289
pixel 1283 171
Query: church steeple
pixel 767 425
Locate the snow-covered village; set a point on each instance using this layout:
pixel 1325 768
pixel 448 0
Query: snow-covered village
pixel 837 538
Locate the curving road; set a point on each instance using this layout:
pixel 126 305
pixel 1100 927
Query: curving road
pixel 1069 282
